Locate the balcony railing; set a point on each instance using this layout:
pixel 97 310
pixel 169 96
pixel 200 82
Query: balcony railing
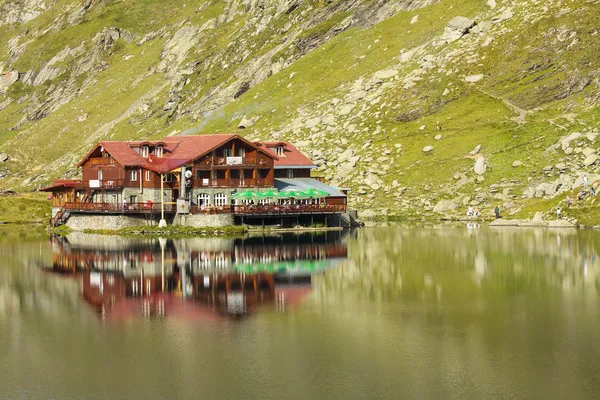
pixel 99 184
pixel 245 161
pixel 102 161
pixel 232 182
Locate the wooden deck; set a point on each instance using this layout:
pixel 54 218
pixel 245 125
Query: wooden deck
pixel 252 210
pixel 278 210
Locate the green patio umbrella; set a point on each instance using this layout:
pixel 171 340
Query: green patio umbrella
pixel 315 193
pixel 245 195
pixel 283 195
pixel 294 194
pixel 269 194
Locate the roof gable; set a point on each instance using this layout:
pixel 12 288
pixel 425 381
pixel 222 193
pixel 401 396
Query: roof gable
pixel 292 157
pixel 179 150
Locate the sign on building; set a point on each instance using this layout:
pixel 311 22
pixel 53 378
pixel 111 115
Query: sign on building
pixel 234 161
pixel 94 183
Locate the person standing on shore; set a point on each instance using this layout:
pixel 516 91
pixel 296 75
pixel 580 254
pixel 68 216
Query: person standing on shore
pixel 568 200
pixel 558 213
pixel 585 182
pixel 497 212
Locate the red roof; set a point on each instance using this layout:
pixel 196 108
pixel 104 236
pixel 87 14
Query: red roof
pixel 61 183
pixel 292 157
pixel 178 150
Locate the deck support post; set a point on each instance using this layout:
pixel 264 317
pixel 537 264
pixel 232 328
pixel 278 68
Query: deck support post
pixel 162 223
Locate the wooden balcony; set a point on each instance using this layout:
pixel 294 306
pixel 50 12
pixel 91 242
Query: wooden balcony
pixel 232 183
pixel 102 161
pixel 228 162
pixel 99 184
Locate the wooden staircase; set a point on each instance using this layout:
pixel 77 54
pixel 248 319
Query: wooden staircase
pixel 88 196
pixel 60 217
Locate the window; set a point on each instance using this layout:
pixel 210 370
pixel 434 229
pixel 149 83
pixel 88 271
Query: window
pixel 227 152
pixel 290 173
pixel 147 176
pixel 169 177
pixel 99 174
pixel 242 152
pixel 203 199
pixel 159 151
pixel 133 175
pixel 220 199
pixel 145 151
pixel 279 151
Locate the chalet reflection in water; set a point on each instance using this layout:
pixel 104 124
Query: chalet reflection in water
pixel 198 278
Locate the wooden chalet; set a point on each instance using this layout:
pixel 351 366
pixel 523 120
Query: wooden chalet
pixel 192 175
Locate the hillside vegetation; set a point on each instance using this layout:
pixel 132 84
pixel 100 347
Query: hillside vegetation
pixel 415 110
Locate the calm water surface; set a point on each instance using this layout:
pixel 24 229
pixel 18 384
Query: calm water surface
pixel 399 312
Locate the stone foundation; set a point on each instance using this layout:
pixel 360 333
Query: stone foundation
pixel 146 194
pixel 79 222
pixel 204 220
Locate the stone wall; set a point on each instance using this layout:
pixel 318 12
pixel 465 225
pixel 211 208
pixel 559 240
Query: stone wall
pixel 204 220
pixel 79 222
pixel 146 194
pixel 110 196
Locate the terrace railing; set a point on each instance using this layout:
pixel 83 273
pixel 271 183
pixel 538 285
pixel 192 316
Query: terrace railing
pixel 116 208
pixel 211 209
pixel 146 208
pixel 278 209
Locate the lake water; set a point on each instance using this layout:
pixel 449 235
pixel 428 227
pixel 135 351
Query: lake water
pixel 397 312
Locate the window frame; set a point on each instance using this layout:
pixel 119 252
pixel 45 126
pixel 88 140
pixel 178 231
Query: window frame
pixel 145 150
pixel 133 175
pixel 159 151
pixel 205 197
pixel 220 199
pixel 147 175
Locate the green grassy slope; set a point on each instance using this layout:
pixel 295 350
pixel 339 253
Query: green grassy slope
pixel 540 83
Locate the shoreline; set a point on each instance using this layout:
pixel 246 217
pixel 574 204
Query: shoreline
pixel 184 231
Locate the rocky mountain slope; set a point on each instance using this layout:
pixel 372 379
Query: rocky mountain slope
pixel 417 106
